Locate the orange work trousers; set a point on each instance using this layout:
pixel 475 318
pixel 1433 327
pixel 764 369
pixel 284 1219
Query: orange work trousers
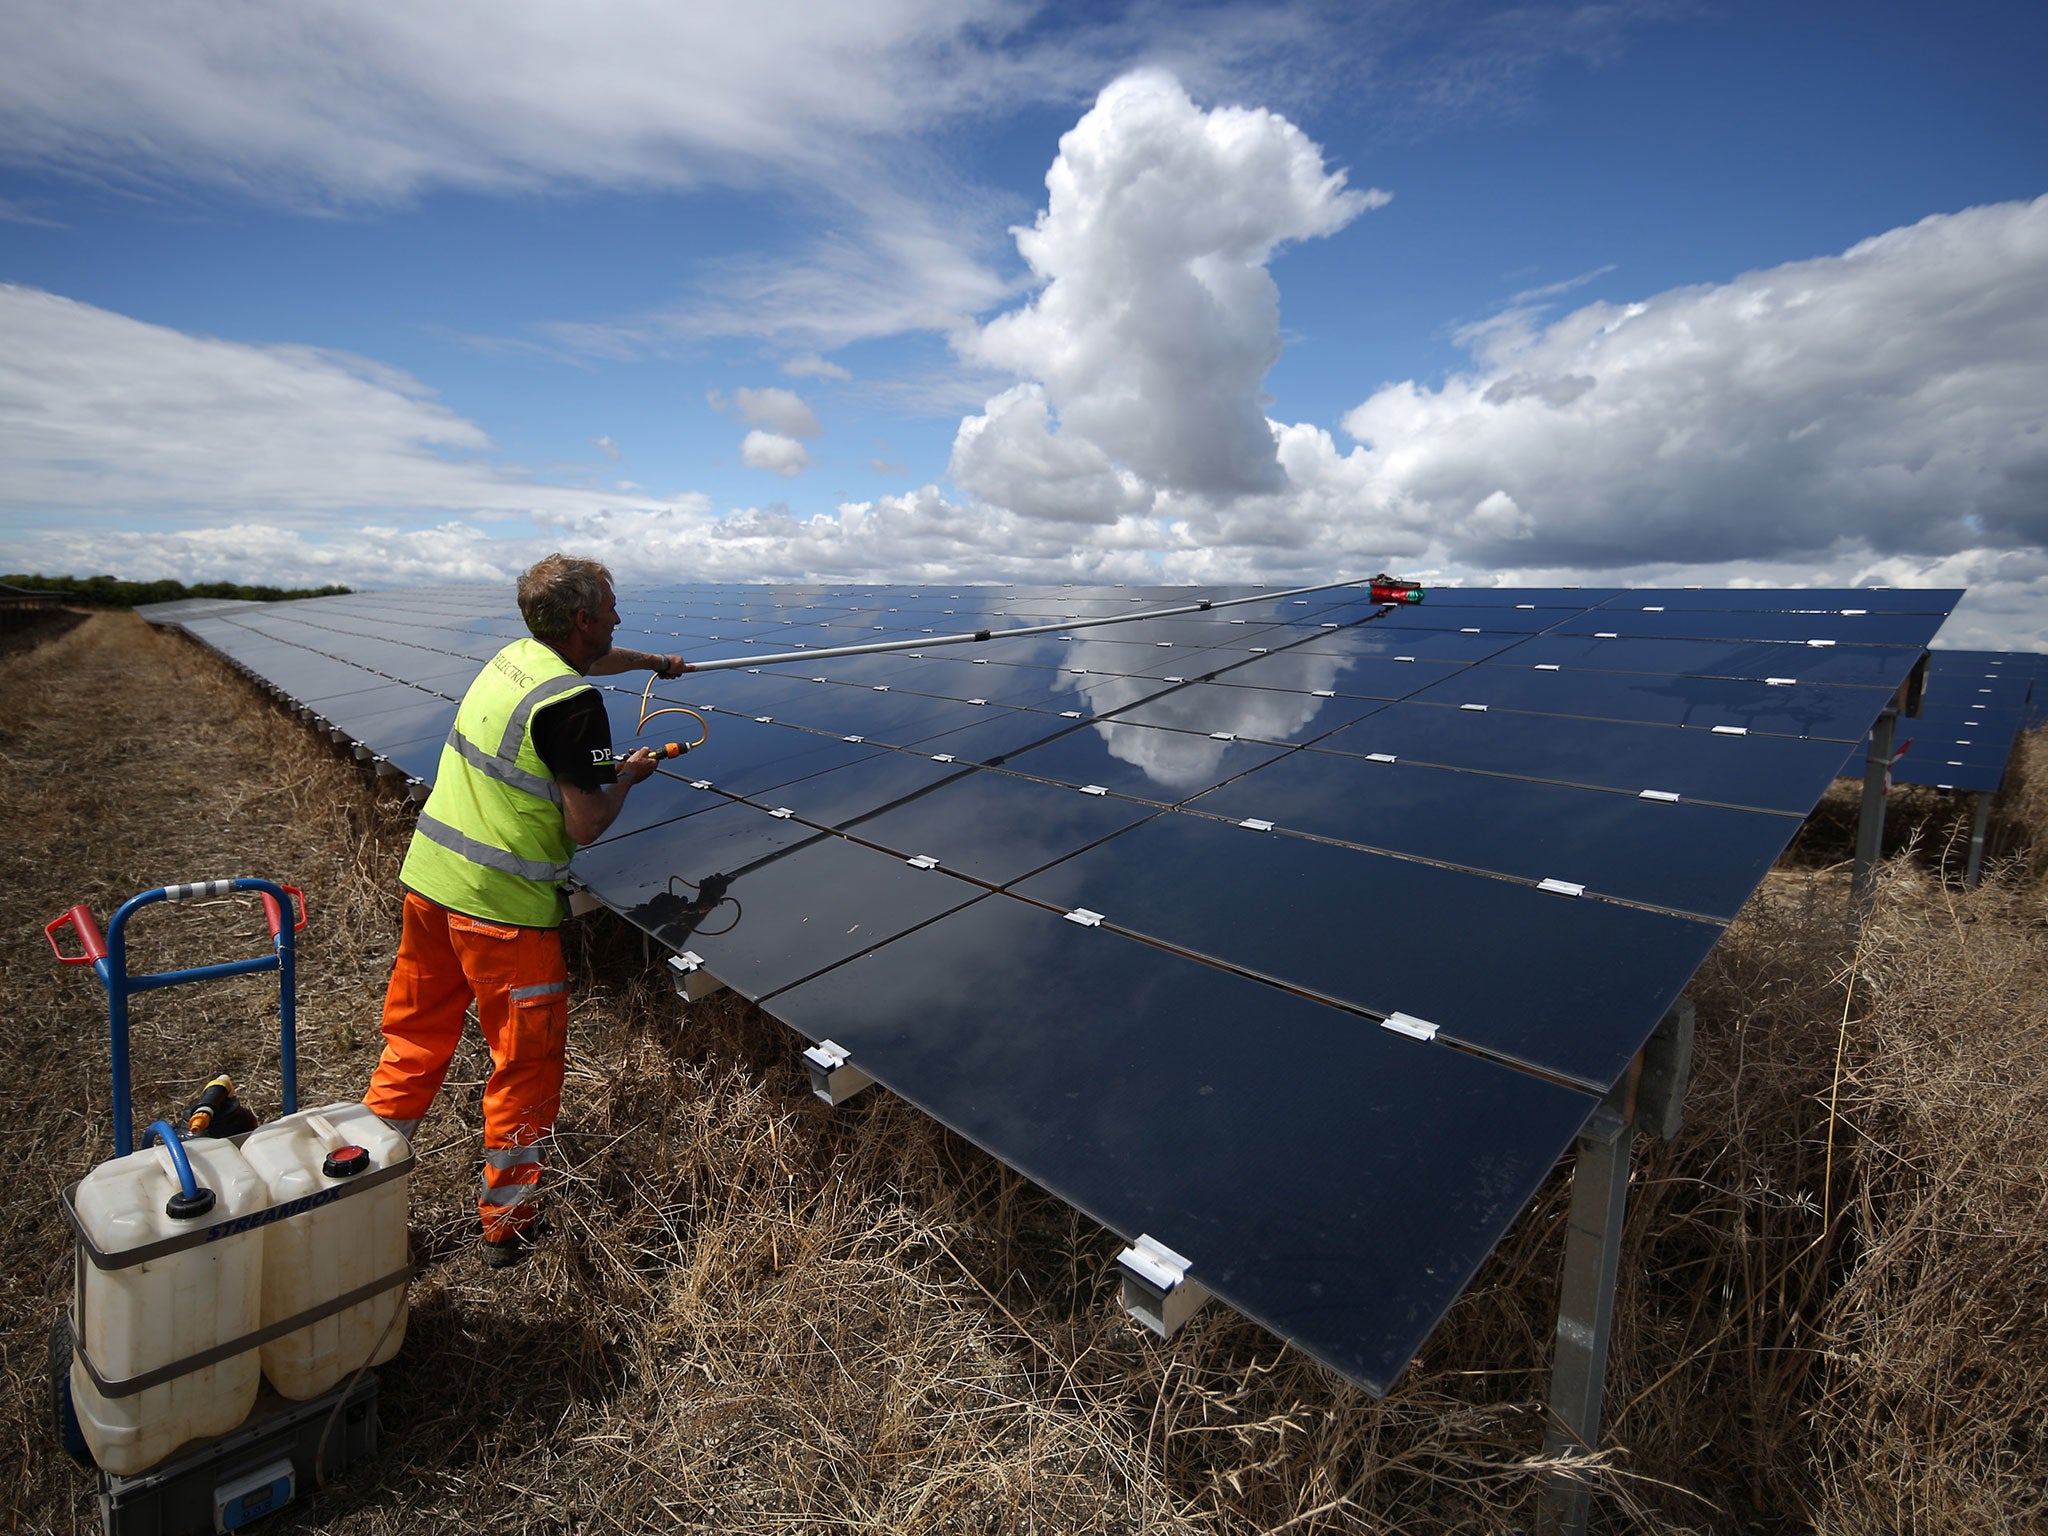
pixel 520 985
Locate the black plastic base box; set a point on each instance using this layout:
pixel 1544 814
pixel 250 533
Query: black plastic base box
pixel 273 1458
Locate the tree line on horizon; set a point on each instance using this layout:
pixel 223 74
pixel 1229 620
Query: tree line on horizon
pixel 112 592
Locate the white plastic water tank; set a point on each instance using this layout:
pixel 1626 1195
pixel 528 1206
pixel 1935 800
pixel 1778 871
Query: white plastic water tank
pixel 166 1309
pixel 350 1233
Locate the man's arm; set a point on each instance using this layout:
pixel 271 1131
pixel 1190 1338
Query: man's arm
pixel 616 660
pixel 587 813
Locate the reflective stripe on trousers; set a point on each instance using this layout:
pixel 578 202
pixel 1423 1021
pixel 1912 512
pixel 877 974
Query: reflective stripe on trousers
pixel 519 983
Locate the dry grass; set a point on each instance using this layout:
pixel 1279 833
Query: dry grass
pixel 758 1314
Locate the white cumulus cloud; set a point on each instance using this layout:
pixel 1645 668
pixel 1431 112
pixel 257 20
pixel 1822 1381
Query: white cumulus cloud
pixel 1158 321
pixel 772 450
pixel 1887 398
pixel 780 410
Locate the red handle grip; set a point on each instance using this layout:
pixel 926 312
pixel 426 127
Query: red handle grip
pixel 80 920
pixel 270 909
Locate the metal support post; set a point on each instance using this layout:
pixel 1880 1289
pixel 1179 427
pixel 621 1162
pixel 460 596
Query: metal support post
pixel 1980 819
pixel 1585 1312
pixel 1877 783
pixel 1650 1098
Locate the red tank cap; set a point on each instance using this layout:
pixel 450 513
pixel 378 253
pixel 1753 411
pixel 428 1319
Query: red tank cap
pixel 346 1162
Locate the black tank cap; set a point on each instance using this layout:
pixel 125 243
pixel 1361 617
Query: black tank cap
pixel 346 1162
pixel 184 1207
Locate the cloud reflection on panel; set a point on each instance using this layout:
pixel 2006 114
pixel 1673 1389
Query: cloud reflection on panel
pixel 1195 726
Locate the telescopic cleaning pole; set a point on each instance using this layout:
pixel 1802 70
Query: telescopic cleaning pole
pixel 1384 589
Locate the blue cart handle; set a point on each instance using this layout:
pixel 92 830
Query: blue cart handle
pixel 111 967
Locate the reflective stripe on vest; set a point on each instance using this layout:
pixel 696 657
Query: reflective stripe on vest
pixel 499 769
pixel 491 840
pixel 483 853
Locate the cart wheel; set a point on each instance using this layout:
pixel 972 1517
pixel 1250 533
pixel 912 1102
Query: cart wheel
pixel 63 1416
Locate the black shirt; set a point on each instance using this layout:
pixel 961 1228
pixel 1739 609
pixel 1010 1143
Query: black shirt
pixel 574 738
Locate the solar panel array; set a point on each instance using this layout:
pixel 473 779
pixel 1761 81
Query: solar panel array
pixel 1302 934
pixel 1977 703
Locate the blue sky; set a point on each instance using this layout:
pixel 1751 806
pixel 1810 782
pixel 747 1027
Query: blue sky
pixel 1653 291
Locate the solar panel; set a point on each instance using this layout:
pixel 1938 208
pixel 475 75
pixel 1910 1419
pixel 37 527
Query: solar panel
pixel 1297 932
pixel 1975 705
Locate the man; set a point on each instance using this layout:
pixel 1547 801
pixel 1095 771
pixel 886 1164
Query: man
pixel 526 775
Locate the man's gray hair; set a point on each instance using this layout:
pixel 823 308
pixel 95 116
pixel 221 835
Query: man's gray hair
pixel 555 589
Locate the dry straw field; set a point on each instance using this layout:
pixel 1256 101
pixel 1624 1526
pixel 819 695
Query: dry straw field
pixel 755 1314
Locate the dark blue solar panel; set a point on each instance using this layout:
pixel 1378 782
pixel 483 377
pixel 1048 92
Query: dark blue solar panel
pixel 1139 1085
pixel 1208 1064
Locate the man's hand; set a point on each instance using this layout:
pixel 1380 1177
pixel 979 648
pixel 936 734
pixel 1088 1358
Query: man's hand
pixel 587 813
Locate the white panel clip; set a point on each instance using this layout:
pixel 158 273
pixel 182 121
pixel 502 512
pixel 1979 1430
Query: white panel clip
pixel 781 813
pixel 1561 887
pixel 977 701
pixel 1381 757
pixel 700 783
pixel 764 719
pixel 834 1078
pixel 1070 714
pixel 922 861
pixel 1546 666
pixel 1469 629
pixel 1404 658
pixel 942 757
pixel 1658 609
pixel 1323 693
pixel 1085 918
pixel 1155 1262
pixel 881 687
pixel 1820 644
pixel 1256 825
pixel 1606 634
pixel 1093 789
pixel 1780 682
pixel 855 739
pixel 1475 708
pixel 1668 796
pixel 1731 730
pixel 1223 735
pixel 1407 1024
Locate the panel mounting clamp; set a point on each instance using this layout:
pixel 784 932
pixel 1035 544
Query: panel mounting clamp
pixel 922 861
pixel 1323 693
pixel 1223 735
pixel 1407 1024
pixel 1256 825
pixel 1731 730
pixel 1780 682
pixel 833 1076
pixel 1084 917
pixel 1157 1290
pixel 1668 796
pixel 942 757
pixel 781 813
pixel 1561 887
pixel 1381 757
pixel 1070 714
pixel 1093 789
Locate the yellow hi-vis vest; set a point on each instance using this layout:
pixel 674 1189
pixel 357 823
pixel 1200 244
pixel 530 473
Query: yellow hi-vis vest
pixel 491 842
